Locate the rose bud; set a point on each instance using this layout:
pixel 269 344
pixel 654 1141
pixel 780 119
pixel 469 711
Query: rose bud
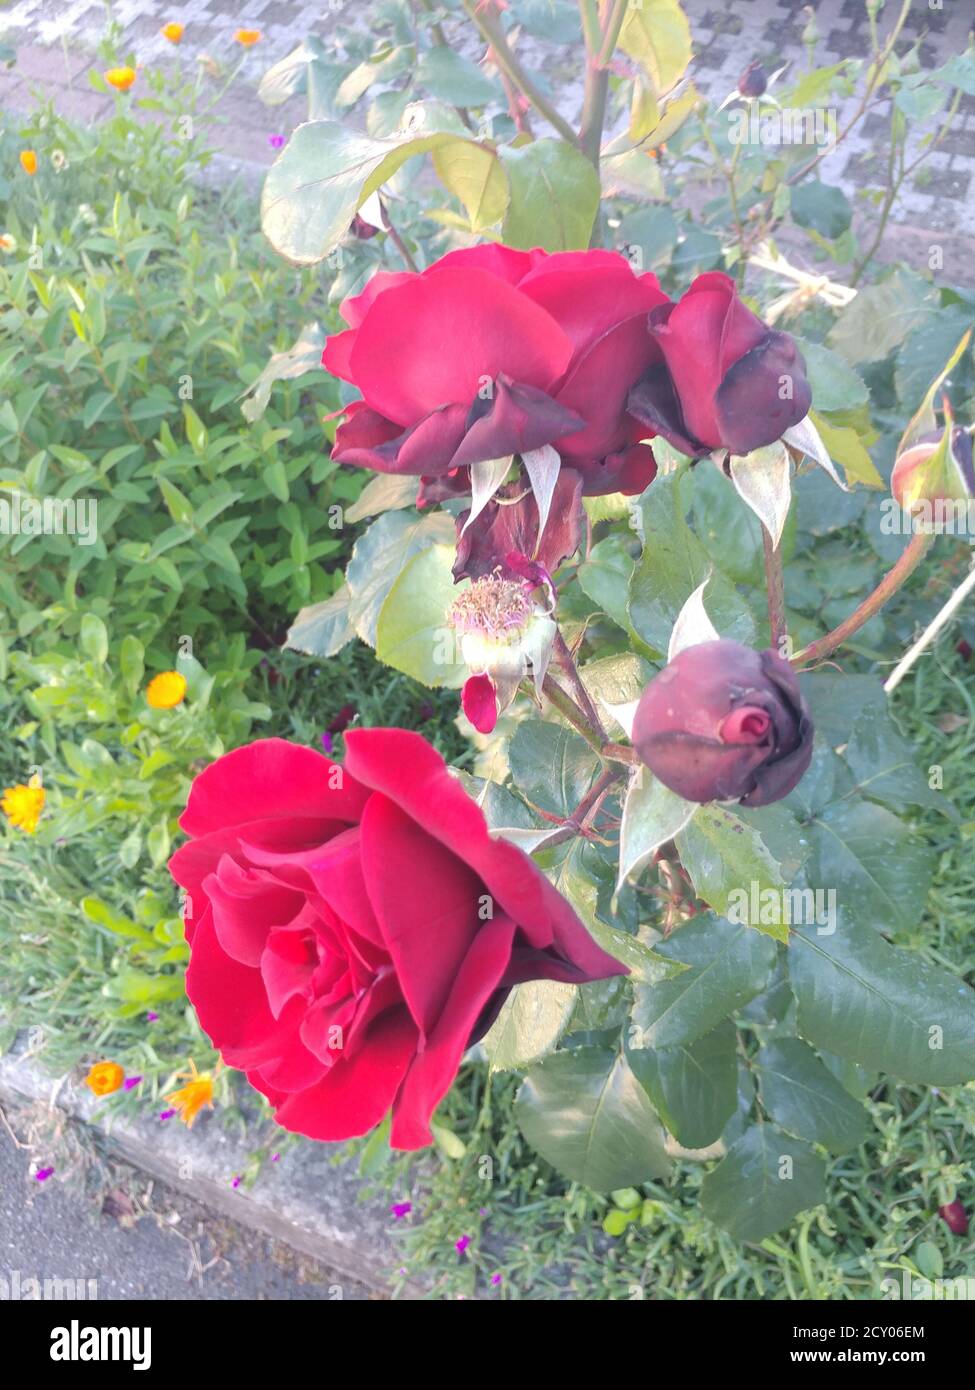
pixel 727 381
pixel 753 81
pixel 955 1217
pixel 935 474
pixel 504 634
pixel 724 723
pixel 491 352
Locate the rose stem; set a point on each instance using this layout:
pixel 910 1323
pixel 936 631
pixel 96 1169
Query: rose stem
pixel 873 603
pixel 570 711
pixel 396 239
pixel 929 633
pixel 600 45
pixel 493 34
pixel 588 808
pixel 775 584
pixel 567 662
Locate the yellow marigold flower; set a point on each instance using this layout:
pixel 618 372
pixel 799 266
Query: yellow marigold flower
pixel 166 690
pixel 23 805
pixel 105 1077
pixel 172 31
pixel 28 161
pixel 248 36
pixel 190 1099
pixel 120 78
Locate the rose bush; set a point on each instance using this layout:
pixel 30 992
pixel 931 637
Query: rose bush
pixel 724 723
pixel 493 351
pixel 354 928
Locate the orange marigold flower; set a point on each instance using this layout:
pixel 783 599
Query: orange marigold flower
pixel 248 36
pixel 7 242
pixel 190 1099
pixel 166 690
pixel 28 161
pixel 105 1077
pixel 120 78
pixel 172 31
pixel 23 805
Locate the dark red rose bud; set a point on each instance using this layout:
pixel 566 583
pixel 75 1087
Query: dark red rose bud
pixel 727 380
pixel 753 81
pixel 362 229
pixel 955 1217
pixel 724 723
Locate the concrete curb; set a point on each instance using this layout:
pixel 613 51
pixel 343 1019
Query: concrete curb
pixel 305 1201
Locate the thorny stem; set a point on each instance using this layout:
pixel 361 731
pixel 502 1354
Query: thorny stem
pixel 571 712
pixel 775 584
pixel 587 810
pixel 493 34
pixel 872 604
pixel 567 662
pixel 396 239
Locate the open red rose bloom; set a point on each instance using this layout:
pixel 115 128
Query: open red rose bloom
pixel 354 929
pixel 491 352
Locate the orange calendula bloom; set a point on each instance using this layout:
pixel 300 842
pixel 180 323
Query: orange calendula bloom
pixel 248 36
pixel 105 1077
pixel 120 78
pixel 172 31
pixel 190 1099
pixel 28 161
pixel 7 242
pixel 23 805
pixel 166 690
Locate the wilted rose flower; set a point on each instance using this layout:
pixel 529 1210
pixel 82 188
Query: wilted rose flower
pixel 491 352
pixel 353 929
pixel 724 723
pixel 504 633
pixel 935 473
pixel 753 81
pixel 727 381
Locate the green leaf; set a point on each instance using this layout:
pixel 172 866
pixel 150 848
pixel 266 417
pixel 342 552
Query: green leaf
pixel 652 814
pixel 835 385
pixel 885 769
pixel 694 1087
pixel 734 870
pixel 412 633
pixel 131 660
pixel 604 576
pixel 323 628
pixel 554 196
pixel 386 492
pixel 476 177
pixel 178 505
pixel 762 1183
pixel 871 1003
pixel 880 318
pixel 531 1021
pixel 322 176
pixel 802 1096
pixel 878 869
pixel 728 966
pixel 449 76
pixel 551 766
pixel 822 207
pixel 304 355
pixel 657 35
pixel 380 555
pixel 93 639
pixel 585 1112
pixel 674 563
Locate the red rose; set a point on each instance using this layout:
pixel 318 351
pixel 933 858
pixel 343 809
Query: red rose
pixel 724 723
pixel 353 929
pixel 727 381
pixel 492 351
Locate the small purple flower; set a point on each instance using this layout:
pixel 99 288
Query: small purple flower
pixel 43 1174
pixel 495 1279
pixel 483 1211
pixel 151 1017
pixel 236 1180
pixel 461 1245
pixel 275 1157
pixel 131 1082
pixel 327 742
pixel 401 1209
pixel 275 141
pixel 166 1114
